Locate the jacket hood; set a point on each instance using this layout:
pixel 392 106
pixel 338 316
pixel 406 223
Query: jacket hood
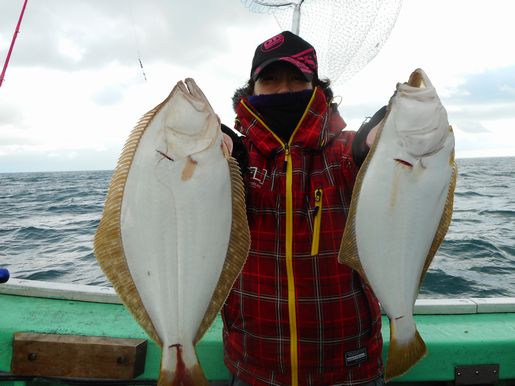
pixel 319 124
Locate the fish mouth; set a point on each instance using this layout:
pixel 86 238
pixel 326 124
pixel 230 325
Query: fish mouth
pixel 416 79
pixel 193 89
pixel 418 83
pixel 194 94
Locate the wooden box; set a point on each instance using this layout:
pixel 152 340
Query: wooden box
pixel 77 356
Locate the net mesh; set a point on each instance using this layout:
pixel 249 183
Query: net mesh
pixel 347 34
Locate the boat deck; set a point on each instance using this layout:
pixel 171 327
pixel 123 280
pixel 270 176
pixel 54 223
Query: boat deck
pixel 478 331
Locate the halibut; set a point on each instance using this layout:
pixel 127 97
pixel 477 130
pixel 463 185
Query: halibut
pixel 401 209
pixel 174 236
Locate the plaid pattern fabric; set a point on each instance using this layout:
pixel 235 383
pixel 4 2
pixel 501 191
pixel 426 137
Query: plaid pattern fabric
pixel 338 318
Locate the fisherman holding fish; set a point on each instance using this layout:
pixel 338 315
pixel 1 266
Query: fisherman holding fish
pixel 322 222
pixel 295 316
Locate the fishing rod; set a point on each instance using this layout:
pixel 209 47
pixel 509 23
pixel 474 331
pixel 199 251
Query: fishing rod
pixel 16 31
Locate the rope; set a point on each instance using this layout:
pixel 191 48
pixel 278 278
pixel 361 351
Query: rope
pixel 136 42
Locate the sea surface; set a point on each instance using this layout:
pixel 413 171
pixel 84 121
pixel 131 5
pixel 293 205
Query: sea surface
pixel 48 220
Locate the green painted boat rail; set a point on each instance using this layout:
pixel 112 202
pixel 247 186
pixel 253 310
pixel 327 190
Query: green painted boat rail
pixel 457 332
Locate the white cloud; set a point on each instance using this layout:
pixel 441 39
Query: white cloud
pixel 75 88
pixel 470 126
pixel 70 49
pixel 497 138
pixel 507 88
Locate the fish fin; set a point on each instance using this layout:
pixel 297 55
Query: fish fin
pixel 445 221
pixel 180 370
pixel 108 244
pixel 401 357
pixel 192 377
pixel 349 254
pixel 237 251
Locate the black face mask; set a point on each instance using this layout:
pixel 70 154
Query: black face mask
pixel 282 112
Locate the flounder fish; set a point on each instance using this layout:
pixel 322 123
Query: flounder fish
pixel 173 235
pixel 401 209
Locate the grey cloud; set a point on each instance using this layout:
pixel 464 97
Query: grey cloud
pixel 487 95
pixel 484 96
pixel 492 86
pixel 471 126
pixel 481 110
pixel 186 32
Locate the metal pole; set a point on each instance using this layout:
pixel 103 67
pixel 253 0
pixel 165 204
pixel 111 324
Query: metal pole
pixel 295 23
pixel 16 31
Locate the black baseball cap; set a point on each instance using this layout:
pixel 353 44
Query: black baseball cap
pixel 286 47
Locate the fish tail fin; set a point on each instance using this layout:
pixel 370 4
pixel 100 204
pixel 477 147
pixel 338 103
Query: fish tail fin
pixel 180 368
pixel 404 351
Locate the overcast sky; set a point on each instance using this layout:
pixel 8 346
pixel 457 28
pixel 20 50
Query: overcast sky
pixel 74 88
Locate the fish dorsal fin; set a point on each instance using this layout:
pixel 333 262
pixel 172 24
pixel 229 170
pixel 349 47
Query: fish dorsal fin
pixel 108 240
pixel 443 226
pixel 237 251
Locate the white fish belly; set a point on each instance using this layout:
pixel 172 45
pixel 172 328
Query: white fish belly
pixel 175 234
pixel 401 207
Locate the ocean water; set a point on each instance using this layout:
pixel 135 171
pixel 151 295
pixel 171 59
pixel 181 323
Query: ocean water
pixel 48 220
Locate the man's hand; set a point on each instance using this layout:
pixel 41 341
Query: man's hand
pixel 371 137
pixel 227 144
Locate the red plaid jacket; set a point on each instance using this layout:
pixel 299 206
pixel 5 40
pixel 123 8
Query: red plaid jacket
pixel 295 315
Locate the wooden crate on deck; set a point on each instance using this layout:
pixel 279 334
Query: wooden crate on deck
pixel 54 355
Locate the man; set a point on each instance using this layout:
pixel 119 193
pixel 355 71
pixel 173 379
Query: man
pixel 295 316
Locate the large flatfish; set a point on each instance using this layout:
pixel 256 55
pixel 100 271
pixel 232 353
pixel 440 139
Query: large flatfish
pixel 174 236
pixel 401 209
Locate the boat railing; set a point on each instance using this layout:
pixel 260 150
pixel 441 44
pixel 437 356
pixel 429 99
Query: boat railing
pixel 104 294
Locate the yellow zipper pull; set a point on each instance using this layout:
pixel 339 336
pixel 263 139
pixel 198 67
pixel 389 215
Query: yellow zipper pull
pixel 318 200
pixel 286 155
pixel 317 221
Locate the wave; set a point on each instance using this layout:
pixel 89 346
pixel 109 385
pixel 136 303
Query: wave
pixel 47 275
pixel 470 193
pixel 471 248
pixel 38 233
pixel 440 284
pixel 494 270
pixel 438 281
pixel 464 221
pixel 503 213
pixel 74 208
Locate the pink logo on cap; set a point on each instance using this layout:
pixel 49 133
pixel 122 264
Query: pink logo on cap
pixel 272 43
pixel 301 66
pixel 308 59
